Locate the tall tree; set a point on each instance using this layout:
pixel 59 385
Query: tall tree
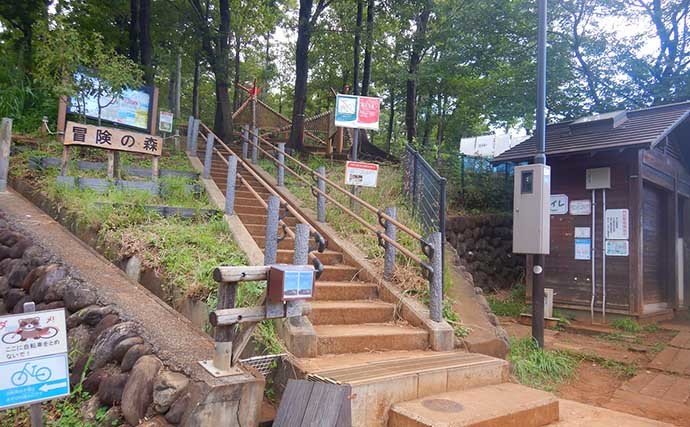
pixel 368 46
pixel 357 47
pixel 134 29
pixel 305 26
pixel 416 53
pixel 145 47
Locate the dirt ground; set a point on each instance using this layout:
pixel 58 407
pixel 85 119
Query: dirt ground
pixel 611 358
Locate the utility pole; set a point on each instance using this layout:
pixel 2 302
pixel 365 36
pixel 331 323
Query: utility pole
pixel 540 158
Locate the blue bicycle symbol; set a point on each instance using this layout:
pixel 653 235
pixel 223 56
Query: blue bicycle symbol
pixel 40 374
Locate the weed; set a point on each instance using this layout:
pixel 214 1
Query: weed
pixel 512 306
pixel 627 325
pixel 657 347
pixel 539 368
pixel 651 328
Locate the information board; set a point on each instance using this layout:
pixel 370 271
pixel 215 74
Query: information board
pixel 131 108
pixel 361 174
pixel 617 224
pixel 165 121
pixel 112 139
pixel 358 112
pixel 33 358
pixel 580 207
pixel 617 248
pixel 583 249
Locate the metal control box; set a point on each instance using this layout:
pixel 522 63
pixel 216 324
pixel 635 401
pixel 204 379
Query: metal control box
pixel 290 282
pixel 531 211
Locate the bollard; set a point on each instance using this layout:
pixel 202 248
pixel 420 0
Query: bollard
pixel 272 220
pixel 5 143
pixel 389 257
pixel 320 198
pixel 190 128
pixel 245 141
pixel 301 255
pixel 230 185
pixel 208 157
pixel 195 137
pixel 281 164
pixel 436 280
pixel 255 146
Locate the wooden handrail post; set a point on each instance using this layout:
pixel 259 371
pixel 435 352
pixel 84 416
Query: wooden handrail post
pixel 190 128
pixel 320 199
pixel 436 279
pixel 390 251
pixel 255 146
pixel 272 220
pixel 222 357
pixel 5 143
pixel 280 177
pixel 208 157
pixel 245 141
pixel 230 185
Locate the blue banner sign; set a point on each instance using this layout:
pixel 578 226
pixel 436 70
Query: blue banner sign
pixel 33 380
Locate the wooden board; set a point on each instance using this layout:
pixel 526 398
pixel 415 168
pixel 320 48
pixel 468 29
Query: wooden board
pixel 654 240
pixel 112 139
pixel 309 403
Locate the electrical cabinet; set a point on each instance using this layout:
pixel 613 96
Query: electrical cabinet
pixel 531 212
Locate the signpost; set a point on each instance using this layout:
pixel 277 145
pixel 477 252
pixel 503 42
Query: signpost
pixel 361 174
pixel 165 121
pixel 358 112
pixel 33 359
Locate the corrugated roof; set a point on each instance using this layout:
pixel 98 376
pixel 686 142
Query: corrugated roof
pixel 644 127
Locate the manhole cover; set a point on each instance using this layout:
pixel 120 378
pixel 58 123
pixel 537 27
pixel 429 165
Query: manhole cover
pixel 442 405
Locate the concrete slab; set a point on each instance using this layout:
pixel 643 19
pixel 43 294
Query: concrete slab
pixel 575 414
pixel 682 340
pixel 673 360
pixel 502 405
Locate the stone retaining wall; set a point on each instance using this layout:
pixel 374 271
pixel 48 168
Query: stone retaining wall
pixel 484 245
pixel 109 355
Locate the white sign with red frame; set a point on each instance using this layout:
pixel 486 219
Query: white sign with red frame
pixel 361 174
pixel 358 112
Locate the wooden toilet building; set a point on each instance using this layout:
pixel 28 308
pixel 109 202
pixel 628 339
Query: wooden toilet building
pixel 620 211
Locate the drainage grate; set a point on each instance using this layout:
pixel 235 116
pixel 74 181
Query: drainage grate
pixel 263 364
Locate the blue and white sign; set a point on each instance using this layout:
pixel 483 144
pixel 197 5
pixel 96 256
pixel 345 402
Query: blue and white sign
pixel 33 380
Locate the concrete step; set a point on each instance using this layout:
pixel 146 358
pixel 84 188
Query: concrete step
pixel 338 339
pixel 339 273
pixel 350 312
pixel 343 291
pixel 502 405
pixel 380 379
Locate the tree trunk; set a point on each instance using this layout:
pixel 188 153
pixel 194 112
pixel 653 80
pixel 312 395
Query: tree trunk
pixel 366 74
pixel 236 89
pixel 422 22
pixel 391 120
pixel 223 118
pixel 358 42
pixel 134 30
pixel 195 86
pixel 302 74
pixel 178 84
pixel 145 40
pixel 171 89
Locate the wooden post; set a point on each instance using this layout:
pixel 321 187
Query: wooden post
pixel 5 143
pixel 222 357
pixel 340 137
pixel 61 118
pixel 329 142
pixel 154 168
pixel 154 112
pixel 64 164
pixel 111 164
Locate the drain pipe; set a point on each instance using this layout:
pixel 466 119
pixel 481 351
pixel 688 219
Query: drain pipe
pixel 593 253
pixel 603 256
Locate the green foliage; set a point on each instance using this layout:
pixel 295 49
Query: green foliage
pixel 535 367
pixel 511 306
pixel 626 324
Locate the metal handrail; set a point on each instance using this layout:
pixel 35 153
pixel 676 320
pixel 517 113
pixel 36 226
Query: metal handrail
pixel 321 242
pixel 426 248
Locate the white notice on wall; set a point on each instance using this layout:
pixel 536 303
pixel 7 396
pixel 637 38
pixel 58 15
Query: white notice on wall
pixel 583 249
pixel 617 248
pixel 361 174
pixel 559 204
pixel 580 207
pixel 617 224
pixel 583 232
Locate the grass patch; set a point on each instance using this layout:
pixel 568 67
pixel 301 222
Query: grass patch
pixel 512 305
pixel 627 325
pixel 539 368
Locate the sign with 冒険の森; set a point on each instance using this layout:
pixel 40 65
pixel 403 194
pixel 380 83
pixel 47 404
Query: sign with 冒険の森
pixel 112 139
pixel 358 112
pixel 165 121
pixel 33 357
pixel 617 224
pixel 559 204
pixel 361 174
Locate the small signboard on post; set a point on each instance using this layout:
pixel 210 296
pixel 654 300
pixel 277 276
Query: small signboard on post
pixel 361 174
pixel 358 112
pixel 165 121
pixel 33 358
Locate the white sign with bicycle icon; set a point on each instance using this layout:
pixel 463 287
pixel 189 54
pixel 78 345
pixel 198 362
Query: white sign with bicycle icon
pixel 33 358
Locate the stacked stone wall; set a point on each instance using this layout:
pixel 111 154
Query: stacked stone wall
pixel 484 245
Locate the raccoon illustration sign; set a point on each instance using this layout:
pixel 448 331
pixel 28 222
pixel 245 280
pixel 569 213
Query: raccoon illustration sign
pixel 33 358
